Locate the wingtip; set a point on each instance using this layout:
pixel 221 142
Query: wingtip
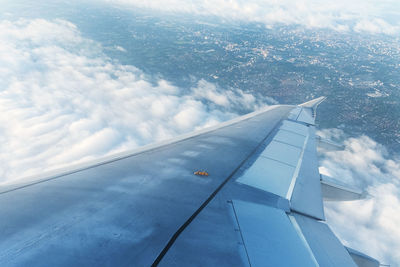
pixel 313 103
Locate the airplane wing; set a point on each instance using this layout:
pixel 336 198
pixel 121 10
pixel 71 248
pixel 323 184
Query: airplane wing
pixel 244 193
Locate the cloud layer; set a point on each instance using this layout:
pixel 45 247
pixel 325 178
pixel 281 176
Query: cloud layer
pixel 361 16
pixel 369 225
pixel 63 101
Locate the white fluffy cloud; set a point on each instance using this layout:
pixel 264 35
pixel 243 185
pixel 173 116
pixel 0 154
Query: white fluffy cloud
pixel 63 101
pixel 376 25
pixel 341 15
pixel 369 225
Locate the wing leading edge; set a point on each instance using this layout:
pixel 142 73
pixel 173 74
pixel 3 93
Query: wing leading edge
pixel 260 204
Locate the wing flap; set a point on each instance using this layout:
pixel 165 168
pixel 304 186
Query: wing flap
pixel 326 247
pixel 333 190
pixel 361 259
pixel 329 145
pixel 269 236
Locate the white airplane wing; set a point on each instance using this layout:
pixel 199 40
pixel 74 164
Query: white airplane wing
pixel 244 193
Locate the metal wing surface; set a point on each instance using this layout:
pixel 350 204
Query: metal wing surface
pixel 244 193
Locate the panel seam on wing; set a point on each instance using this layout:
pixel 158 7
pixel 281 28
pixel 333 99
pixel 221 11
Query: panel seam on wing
pixel 303 239
pixel 297 170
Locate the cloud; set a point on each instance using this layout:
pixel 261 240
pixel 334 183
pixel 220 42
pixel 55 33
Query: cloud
pixel 237 98
pixel 340 15
pixel 62 101
pixel 376 26
pixel 370 225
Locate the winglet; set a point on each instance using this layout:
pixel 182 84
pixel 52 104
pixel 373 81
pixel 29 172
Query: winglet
pixel 313 103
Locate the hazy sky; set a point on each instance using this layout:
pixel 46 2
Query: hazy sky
pixel 341 15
